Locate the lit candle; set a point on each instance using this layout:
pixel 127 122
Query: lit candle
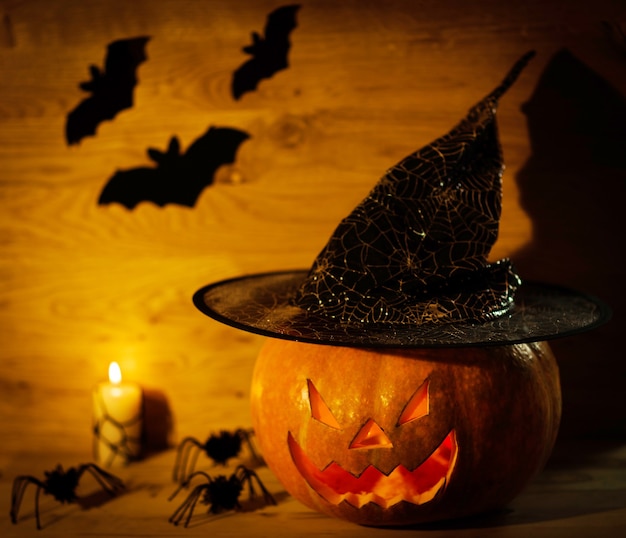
pixel 117 419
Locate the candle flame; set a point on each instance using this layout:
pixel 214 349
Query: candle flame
pixel 115 374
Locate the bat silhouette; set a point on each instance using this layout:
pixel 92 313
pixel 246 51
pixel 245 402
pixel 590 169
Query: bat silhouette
pixel 111 89
pixel 269 53
pixel 178 178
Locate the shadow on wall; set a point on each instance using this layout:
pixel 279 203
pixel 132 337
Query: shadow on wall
pixel 157 422
pixel 573 188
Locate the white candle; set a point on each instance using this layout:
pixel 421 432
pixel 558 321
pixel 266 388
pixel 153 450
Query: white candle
pixel 117 420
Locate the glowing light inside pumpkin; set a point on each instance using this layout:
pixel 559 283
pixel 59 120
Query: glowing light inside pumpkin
pixel 336 484
pixel 417 407
pixel 371 435
pixel 417 486
pixel 319 409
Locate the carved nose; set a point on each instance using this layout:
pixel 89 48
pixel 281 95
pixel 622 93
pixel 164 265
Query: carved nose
pixel 371 435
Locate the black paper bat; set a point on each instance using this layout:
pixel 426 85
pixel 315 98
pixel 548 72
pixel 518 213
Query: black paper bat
pixel 111 89
pixel 178 178
pixel 269 53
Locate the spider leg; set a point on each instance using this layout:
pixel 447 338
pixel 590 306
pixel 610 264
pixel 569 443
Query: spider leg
pixel 182 456
pixel 246 475
pixel 199 490
pixel 179 513
pixel 37 508
pixel 194 458
pixel 243 474
pixel 108 482
pixel 17 494
pixel 177 491
pixel 187 481
pixel 246 435
pixel 188 506
pixel 179 456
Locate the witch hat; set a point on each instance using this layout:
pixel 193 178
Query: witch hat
pixel 408 267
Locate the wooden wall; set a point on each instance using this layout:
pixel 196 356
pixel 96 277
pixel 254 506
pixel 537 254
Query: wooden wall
pixel 368 82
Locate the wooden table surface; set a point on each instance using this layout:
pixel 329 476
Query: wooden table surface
pixel 581 493
pixel 84 284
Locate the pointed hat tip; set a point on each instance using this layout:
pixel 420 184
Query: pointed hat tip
pixel 511 76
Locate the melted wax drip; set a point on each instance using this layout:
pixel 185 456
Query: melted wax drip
pixel 415 250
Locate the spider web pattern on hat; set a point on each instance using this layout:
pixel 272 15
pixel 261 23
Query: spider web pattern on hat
pixel 415 250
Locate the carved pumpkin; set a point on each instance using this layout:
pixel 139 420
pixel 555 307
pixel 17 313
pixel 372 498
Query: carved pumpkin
pixel 384 437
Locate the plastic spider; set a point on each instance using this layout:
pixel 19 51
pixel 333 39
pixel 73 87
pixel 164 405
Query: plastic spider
pixel 220 448
pixel 220 493
pixel 61 485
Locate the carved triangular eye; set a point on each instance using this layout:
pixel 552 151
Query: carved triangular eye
pixel 417 407
pixel 319 409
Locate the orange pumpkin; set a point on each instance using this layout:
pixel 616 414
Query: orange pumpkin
pixel 397 437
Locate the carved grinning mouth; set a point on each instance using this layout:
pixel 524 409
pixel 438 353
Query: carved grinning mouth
pixel 418 486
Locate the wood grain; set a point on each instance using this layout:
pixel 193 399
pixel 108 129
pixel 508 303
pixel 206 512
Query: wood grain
pixel 368 83
pixel 577 498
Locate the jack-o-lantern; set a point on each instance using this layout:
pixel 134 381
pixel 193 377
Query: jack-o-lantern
pixel 408 379
pixel 383 437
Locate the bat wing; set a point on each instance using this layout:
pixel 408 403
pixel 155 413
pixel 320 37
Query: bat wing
pixel 83 120
pixel 124 57
pixel 216 147
pixel 112 91
pixel 269 53
pixel 129 187
pixel 281 22
pixel 247 78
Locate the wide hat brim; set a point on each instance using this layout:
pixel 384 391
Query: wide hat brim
pixel 262 304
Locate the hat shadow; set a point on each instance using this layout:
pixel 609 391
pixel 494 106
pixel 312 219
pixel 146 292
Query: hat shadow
pixel 573 188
